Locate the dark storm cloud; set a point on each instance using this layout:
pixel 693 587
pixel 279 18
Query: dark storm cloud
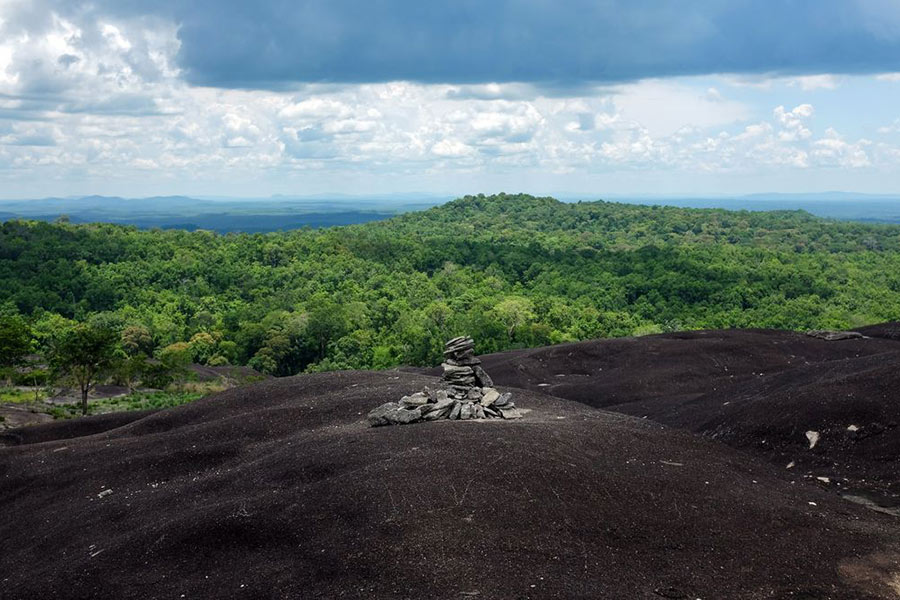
pixel 275 43
pixel 265 44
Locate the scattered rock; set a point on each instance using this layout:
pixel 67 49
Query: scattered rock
pixel 813 437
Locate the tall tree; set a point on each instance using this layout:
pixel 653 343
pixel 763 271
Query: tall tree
pixel 15 341
pixel 85 353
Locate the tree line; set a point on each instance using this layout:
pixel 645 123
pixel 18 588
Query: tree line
pixel 513 270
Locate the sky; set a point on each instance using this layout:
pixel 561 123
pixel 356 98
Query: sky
pixel 566 97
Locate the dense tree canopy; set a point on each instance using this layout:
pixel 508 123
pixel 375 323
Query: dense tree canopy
pixel 511 270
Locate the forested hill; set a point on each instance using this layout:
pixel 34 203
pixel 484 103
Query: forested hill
pixel 513 270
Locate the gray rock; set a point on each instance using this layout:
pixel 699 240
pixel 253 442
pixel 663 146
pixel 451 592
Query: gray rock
pixel 437 414
pixel 503 400
pixel 462 340
pixel 441 395
pixel 459 350
pixel 490 396
pixel 402 416
pixel 392 413
pixel 474 394
pixel 483 379
pixel 479 411
pixel 511 413
pixel 467 411
pixel 464 361
pixel 440 405
pixel 417 399
pixel 492 413
pixel 378 416
pixel 457 371
pixel 454 413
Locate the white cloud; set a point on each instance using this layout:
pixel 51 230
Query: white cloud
pixel 664 107
pixel 810 83
pixel 833 150
pixel 104 102
pixel 892 128
pixel 888 77
pixel 794 122
pixel 451 149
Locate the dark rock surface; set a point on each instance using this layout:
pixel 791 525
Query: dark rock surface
pixel 757 390
pixel 282 490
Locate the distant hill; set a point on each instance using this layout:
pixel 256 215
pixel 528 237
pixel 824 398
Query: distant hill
pixel 282 213
pixel 847 206
pixel 221 214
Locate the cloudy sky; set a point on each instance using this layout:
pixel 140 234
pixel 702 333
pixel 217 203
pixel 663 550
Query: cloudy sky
pixel 228 97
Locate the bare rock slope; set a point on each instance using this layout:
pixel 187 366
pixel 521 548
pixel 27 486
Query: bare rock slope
pixel 281 490
pixel 757 390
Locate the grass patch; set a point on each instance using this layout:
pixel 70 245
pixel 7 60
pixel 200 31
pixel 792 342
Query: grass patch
pixel 136 401
pixel 14 396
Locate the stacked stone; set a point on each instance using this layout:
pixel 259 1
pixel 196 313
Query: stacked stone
pixel 469 395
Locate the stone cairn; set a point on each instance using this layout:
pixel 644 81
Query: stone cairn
pixel 469 393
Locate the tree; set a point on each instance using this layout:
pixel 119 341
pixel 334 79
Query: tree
pixel 136 339
pixel 15 341
pixel 176 360
pixel 514 312
pixel 85 353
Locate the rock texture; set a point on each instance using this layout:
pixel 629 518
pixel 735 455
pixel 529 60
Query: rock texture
pixel 469 393
pixel 279 487
pixel 834 336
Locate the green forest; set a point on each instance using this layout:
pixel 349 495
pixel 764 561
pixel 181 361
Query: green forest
pixel 511 270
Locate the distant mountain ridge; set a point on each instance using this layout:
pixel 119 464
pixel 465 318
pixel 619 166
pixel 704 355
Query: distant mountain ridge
pixel 282 212
pixel 222 215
